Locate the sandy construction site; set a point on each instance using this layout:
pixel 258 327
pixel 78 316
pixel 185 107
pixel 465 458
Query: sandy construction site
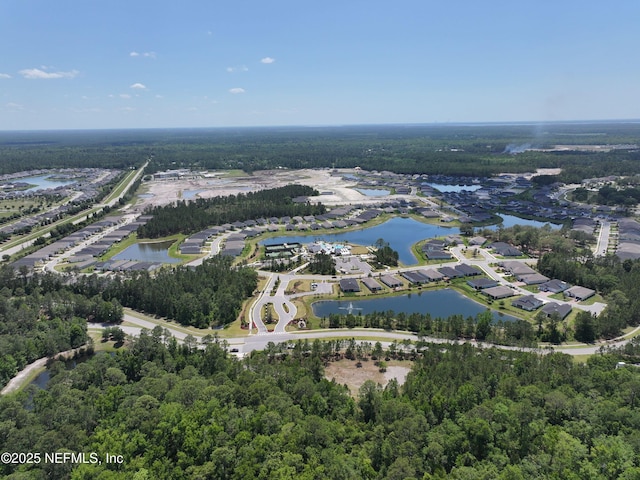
pixel 334 189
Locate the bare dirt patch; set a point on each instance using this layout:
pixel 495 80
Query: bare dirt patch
pixel 336 189
pixel 346 372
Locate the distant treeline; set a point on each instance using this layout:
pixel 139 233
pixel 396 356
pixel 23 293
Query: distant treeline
pixel 201 213
pixel 469 150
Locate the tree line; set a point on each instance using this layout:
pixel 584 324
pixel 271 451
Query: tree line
pixel 194 216
pixel 462 150
pixel 209 295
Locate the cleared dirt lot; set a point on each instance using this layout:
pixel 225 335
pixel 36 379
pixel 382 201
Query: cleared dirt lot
pixel 217 184
pixel 346 372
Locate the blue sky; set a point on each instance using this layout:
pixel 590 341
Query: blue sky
pixel 145 64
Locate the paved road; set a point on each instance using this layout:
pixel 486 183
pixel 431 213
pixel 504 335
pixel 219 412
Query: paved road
pixel 259 342
pixel 603 239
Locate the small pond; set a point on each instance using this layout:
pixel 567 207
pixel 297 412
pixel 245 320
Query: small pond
pixel 373 192
pixel 190 194
pixel 438 303
pixel 147 252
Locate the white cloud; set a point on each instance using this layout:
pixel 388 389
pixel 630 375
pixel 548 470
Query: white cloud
pixel 267 60
pixel 124 95
pixel 236 90
pixel 138 86
pixel 144 54
pixel 38 74
pixel 15 106
pixel 241 68
pixel 5 75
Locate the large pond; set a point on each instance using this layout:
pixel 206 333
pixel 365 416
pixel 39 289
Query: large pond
pixel 401 233
pixel 147 252
pixel 43 182
pixel 438 303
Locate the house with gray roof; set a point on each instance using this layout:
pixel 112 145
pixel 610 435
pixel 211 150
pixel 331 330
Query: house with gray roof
pixel 527 302
pixel 579 293
pixel 432 275
pixel 391 281
pixel 553 286
pixel 415 277
pixel 371 284
pixel 482 283
pixel 349 285
pixel 498 292
pixel 561 309
pixel 504 249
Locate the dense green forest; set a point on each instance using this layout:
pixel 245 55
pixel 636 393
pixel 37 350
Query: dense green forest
pixel 209 295
pixel 175 412
pixel 201 213
pixel 468 150
pixel 40 317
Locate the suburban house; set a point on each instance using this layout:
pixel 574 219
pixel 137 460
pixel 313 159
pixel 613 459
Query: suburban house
pixel 553 286
pixel 482 283
pixel 349 285
pixel 467 270
pixel 415 277
pixel 432 275
pixel 532 278
pixel 450 272
pixel 498 292
pixel 579 293
pixel 504 249
pixel 562 309
pixel 391 281
pixel 371 284
pixel 528 303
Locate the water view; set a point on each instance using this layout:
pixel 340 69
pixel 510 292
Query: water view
pixel 189 194
pixel 373 192
pixel 147 252
pixel 511 220
pixel 43 182
pixel 438 303
pixel 401 233
pixel 454 188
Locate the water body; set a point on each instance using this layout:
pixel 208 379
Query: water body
pixel 373 192
pixel 401 233
pixel 42 182
pixel 43 378
pixel 439 303
pixel 454 188
pixel 189 194
pixel 511 220
pixel 147 252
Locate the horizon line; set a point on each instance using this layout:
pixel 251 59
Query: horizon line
pixel 339 125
